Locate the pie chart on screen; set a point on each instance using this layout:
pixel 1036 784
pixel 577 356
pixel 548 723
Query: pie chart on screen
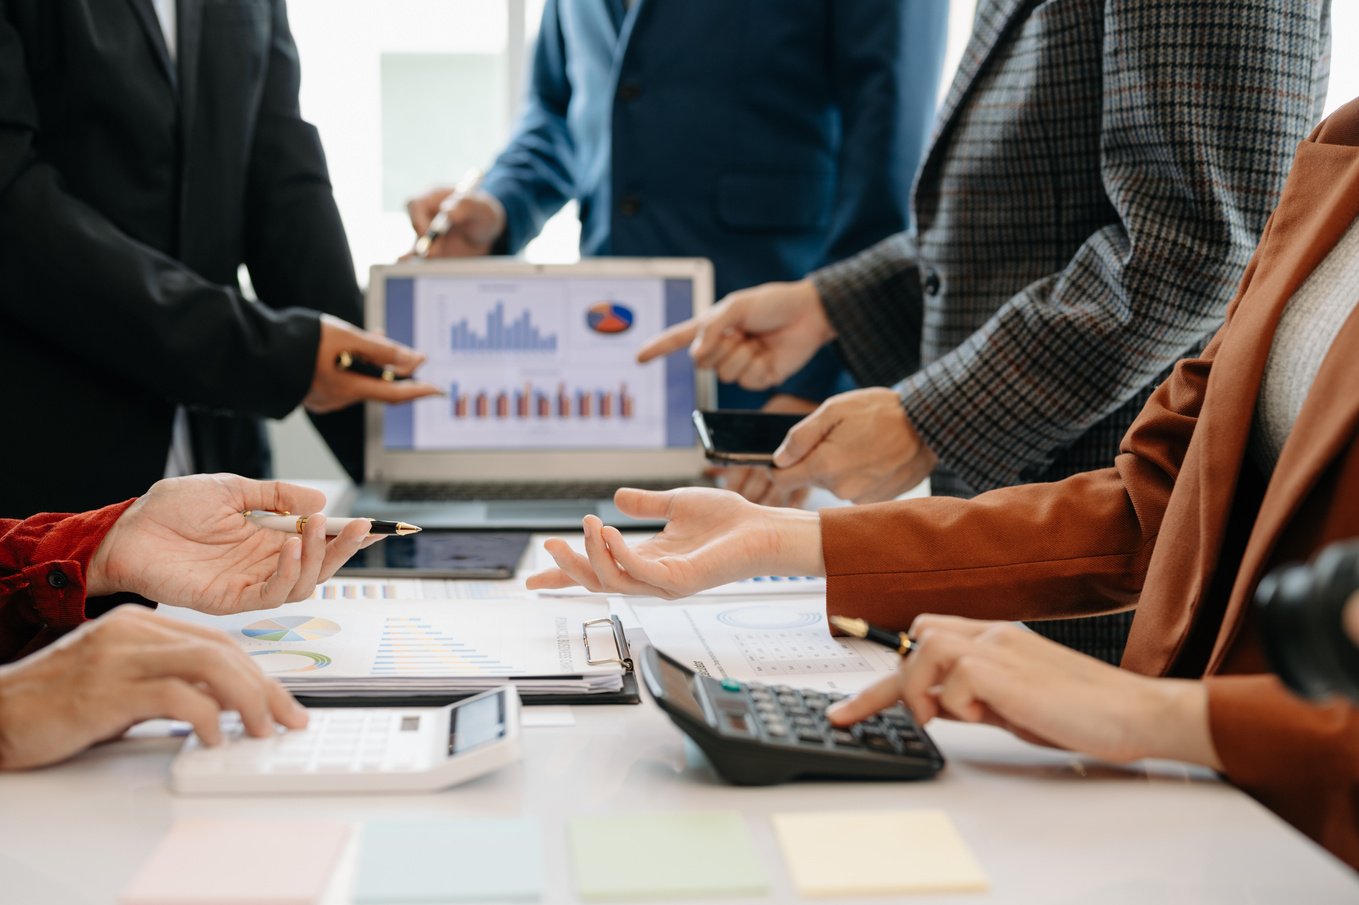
pixel 609 317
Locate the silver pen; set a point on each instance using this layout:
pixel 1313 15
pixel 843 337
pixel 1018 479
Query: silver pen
pixel 439 226
pixel 293 524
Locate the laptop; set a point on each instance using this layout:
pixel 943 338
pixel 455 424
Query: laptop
pixel 547 412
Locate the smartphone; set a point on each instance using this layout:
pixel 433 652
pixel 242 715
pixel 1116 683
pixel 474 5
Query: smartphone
pixel 741 437
pixel 441 554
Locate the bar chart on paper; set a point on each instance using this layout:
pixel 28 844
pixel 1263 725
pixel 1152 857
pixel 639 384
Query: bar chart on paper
pixel 521 335
pixel 412 646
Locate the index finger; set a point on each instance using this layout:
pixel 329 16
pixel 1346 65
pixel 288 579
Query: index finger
pixel 669 341
pixel 383 351
pixel 390 392
pixel 277 496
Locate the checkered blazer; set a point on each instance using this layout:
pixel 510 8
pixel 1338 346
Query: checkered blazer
pixel 1098 178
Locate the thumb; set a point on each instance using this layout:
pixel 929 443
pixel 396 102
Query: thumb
pixel 804 437
pixel 644 504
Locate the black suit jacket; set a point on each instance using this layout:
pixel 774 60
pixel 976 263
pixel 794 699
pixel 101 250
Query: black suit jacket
pixel 131 190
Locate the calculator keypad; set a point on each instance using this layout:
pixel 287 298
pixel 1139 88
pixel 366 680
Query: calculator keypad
pixel 340 740
pixel 790 716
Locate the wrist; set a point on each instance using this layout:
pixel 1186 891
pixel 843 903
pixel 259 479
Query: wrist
pixel 825 331
pixel 102 573
pixel 1174 723
pixel 793 539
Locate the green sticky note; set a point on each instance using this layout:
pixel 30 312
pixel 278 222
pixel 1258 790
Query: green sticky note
pixel 474 859
pixel 665 856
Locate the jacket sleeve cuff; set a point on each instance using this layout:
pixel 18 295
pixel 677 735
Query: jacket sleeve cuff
pixel 519 229
pixel 54 568
pixel 1299 759
pixel 873 303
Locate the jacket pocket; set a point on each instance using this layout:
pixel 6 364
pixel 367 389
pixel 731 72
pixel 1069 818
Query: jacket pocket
pixel 775 202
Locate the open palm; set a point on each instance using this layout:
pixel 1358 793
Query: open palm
pixel 711 537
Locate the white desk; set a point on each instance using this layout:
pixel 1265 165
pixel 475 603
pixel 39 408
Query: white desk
pixel 1047 828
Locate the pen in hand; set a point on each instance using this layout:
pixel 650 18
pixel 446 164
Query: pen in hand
pixel 348 361
pixel 901 642
pixel 440 225
pixel 294 524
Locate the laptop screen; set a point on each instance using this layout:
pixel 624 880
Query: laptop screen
pixel 541 362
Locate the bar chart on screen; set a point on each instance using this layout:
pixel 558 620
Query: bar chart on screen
pixel 540 402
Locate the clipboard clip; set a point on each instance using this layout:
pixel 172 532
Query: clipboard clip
pixel 620 643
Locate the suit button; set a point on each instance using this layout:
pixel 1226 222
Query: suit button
pixel 932 282
pixel 630 206
pixel 629 92
pixel 57 579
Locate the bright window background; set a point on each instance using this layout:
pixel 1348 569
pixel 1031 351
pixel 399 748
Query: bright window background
pixel 408 94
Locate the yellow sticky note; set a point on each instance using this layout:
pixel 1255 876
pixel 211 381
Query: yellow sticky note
pixel 873 853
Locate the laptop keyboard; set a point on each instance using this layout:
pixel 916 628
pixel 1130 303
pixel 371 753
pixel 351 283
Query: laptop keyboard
pixel 425 491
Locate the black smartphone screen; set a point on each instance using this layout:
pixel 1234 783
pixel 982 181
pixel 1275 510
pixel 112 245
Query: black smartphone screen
pixel 441 554
pixel 735 435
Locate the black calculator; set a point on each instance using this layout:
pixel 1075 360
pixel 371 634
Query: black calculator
pixel 757 735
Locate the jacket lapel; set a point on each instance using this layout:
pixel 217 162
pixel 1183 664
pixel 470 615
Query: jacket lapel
pixel 1329 180
pixel 994 18
pixel 1312 215
pixel 150 22
pixel 190 40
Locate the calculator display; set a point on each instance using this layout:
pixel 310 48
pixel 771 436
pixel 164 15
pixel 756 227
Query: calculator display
pixel 476 723
pixel 678 687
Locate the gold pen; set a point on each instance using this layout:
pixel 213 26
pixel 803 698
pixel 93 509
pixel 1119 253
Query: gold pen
pixel 901 642
pixel 294 524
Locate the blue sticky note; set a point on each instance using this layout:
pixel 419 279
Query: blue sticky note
pixel 483 859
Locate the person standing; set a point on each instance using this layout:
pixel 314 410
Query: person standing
pixel 771 138
pixel 148 149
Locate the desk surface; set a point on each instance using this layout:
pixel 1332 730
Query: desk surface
pixel 1046 826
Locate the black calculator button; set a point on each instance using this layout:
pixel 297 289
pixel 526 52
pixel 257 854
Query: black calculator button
pixel 844 739
pixel 755 686
pixel 810 734
pixel 783 689
pixel 879 743
pixel 913 746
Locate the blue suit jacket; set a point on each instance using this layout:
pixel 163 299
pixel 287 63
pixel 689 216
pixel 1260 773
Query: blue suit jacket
pixel 770 136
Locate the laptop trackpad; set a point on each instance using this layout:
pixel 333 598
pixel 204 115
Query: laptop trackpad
pixel 539 509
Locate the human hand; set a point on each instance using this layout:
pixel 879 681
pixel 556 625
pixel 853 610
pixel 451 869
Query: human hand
pixel 711 537
pixel 127 666
pixel 859 445
pixel 1005 675
pixel 186 542
pixel 757 337
pixel 753 481
pixel 475 222
pixel 333 389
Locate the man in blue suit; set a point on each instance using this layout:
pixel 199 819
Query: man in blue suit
pixel 770 136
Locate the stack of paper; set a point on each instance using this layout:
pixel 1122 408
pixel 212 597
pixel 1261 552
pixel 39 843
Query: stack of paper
pixel 403 647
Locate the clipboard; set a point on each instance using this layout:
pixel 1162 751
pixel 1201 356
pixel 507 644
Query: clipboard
pixel 621 655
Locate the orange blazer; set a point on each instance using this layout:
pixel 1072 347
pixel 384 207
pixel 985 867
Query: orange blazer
pixel 1182 527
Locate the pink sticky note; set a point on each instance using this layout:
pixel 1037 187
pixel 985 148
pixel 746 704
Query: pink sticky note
pixel 240 862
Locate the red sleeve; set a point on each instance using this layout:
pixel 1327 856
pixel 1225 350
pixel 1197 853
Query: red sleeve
pixel 1300 760
pixel 43 561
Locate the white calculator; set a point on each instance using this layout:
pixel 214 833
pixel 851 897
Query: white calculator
pixel 358 749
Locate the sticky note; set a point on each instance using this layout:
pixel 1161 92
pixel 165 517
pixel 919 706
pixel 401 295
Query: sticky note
pixel 240 862
pixel 490 859
pixel 876 853
pixel 664 856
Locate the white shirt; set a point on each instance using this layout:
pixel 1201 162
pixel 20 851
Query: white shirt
pixel 179 460
pixel 1306 331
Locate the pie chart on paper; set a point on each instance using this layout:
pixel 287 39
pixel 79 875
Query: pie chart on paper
pixel 609 317
pixel 291 628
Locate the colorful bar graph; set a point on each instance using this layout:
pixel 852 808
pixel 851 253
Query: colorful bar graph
pixel 527 402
